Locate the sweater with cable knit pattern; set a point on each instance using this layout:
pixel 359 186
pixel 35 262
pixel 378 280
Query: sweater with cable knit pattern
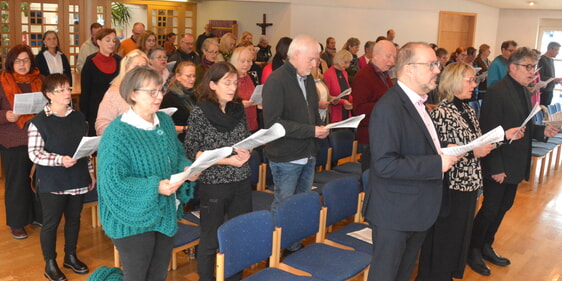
pixel 132 162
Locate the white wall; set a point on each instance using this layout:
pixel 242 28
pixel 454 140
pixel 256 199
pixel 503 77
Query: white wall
pixel 523 25
pixel 413 20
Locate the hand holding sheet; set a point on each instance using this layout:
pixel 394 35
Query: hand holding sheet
pixel 346 92
pixel 261 137
pixel 534 111
pixel 257 95
pixel 352 122
pixel 87 146
pixel 29 103
pixel 207 159
pixel 493 136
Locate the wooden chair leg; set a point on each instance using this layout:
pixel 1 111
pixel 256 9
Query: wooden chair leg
pixel 534 161
pixel 541 175
pixel 116 261
pixel 557 162
pixel 550 156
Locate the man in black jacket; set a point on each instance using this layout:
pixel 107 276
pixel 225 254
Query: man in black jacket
pixel 290 98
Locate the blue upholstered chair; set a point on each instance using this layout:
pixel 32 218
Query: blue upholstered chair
pixel 344 145
pixel 343 200
pixel 299 217
pixel 246 240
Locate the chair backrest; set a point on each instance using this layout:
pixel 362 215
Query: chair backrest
pixel 245 240
pixel 340 197
pixel 475 106
pixel 322 155
pixel 538 118
pixel 365 179
pixel 299 217
pixel 551 108
pixel 341 142
pixel 558 107
pixel 254 162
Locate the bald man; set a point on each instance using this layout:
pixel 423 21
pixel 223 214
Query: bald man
pixel 130 44
pixel 369 85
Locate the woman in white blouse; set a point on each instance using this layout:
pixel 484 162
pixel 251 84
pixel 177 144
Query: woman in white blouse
pixel 50 59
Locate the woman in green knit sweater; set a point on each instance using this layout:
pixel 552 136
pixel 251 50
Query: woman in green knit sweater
pixel 138 205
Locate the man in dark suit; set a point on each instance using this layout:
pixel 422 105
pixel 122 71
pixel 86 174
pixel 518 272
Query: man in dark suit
pixel 405 185
pixel 507 103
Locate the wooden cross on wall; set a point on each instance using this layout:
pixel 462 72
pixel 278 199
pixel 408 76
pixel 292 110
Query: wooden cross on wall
pixel 264 25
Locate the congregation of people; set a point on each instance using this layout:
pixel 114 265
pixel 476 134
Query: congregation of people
pixel 420 202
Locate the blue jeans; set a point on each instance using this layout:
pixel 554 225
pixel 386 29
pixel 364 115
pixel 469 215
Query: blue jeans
pixel 290 179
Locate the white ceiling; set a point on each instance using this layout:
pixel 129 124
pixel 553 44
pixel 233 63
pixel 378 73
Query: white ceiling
pixel 523 4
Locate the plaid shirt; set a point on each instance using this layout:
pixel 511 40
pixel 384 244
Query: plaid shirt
pixel 38 155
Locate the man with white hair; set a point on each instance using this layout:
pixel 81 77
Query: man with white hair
pixel 290 98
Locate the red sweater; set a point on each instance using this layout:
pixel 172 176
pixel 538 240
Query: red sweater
pixel 368 88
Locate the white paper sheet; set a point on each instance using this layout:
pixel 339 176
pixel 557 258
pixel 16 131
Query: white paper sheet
pixel 29 103
pixel 554 123
pixel 493 136
pixel 169 110
pixel 346 92
pixel 542 84
pixel 207 159
pixel 87 146
pixel 352 122
pixel 534 111
pixel 365 234
pixel 257 95
pixel 261 137
pixel 170 66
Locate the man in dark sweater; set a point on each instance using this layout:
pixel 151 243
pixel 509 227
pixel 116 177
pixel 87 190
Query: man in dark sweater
pixel 290 98
pixel 546 65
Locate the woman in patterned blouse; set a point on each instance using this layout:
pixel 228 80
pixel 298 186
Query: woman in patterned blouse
pixel 445 249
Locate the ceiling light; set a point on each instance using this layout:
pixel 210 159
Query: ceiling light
pixel 532 3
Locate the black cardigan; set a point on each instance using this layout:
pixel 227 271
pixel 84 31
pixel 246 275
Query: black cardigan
pixel 41 63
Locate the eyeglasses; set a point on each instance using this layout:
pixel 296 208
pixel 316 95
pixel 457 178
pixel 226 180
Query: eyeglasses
pixel 432 65
pixel 24 61
pixel 68 90
pixel 212 52
pixel 529 67
pixel 160 57
pixel 471 79
pixel 152 93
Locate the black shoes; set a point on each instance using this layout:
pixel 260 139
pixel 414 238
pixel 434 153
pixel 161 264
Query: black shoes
pixel 72 262
pixel 490 255
pixel 476 262
pixel 52 271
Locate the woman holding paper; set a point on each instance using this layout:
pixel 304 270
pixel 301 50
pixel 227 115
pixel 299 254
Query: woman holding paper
pixel 19 76
pixel 445 249
pixel 217 121
pixel 138 154
pixel 337 81
pixel 242 60
pixel 54 134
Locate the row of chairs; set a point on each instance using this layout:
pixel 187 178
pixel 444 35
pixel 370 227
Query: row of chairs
pixel 253 237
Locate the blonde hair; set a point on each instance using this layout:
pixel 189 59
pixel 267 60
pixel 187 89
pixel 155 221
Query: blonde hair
pixel 237 53
pixel 225 42
pixel 125 63
pixel 341 56
pixel 451 80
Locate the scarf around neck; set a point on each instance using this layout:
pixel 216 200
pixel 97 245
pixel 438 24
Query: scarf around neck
pixel 223 122
pixel 10 83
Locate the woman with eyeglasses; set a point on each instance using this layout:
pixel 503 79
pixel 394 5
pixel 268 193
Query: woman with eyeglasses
pixel 445 248
pixel 19 76
pixel 210 49
pixel 50 59
pixel 147 42
pixel 336 79
pixel 459 55
pixel 242 59
pixel 54 135
pixel 98 72
pixel 217 121
pixel 112 104
pixel 158 62
pixel 181 95
pixel 138 204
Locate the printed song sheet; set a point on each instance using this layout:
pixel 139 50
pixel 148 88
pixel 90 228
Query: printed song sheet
pixel 169 110
pixel 542 84
pixel 365 234
pixel 345 92
pixel 257 95
pixel 534 111
pixel 87 146
pixel 352 122
pixel 207 159
pixel 29 103
pixel 261 137
pixel 493 136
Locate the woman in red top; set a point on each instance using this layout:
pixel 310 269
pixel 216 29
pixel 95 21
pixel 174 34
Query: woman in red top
pixel 242 60
pixel 337 81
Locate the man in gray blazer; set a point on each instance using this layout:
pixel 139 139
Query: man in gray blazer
pixel 405 183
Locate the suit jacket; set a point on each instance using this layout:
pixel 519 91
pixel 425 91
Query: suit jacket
pixel 405 182
pixel 367 88
pixel 502 106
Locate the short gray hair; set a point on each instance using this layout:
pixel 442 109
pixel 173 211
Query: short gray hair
pixel 135 79
pixel 522 53
pixel 301 43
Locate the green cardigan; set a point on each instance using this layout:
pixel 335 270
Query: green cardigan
pixel 131 164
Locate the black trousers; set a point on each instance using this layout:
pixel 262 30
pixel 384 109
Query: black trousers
pixel 219 203
pixel 546 98
pixel 54 206
pixel 498 199
pixel 394 254
pixel 145 256
pixel 22 206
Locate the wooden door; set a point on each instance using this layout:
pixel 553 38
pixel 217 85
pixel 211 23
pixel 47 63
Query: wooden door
pixel 456 30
